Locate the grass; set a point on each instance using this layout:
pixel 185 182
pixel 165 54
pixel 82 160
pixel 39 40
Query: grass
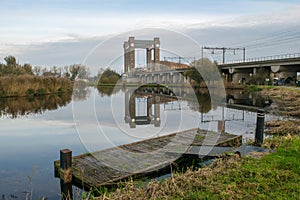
pixel 283 127
pixel 252 88
pixel 274 176
pixel 286 101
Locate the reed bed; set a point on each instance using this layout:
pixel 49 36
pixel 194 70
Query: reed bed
pixel 29 85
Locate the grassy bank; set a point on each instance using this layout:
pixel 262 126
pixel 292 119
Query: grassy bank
pixel 286 101
pixel 29 85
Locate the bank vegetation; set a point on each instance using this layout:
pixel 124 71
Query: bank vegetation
pixel 19 80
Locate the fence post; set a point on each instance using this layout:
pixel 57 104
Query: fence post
pixel 259 132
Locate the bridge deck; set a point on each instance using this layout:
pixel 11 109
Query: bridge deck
pixel 142 158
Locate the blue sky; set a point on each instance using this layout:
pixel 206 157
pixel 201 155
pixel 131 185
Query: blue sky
pixel 28 25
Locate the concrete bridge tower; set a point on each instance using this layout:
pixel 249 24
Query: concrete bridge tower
pixel 152 51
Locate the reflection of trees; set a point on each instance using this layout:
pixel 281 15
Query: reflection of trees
pixel 14 107
pixel 200 99
pixel 80 91
pixel 202 103
pixel 108 90
pixel 247 99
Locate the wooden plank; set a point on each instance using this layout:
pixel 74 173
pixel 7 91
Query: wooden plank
pixel 201 151
pixel 141 158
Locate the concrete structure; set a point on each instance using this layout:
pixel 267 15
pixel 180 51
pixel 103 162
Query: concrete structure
pixel 167 76
pixel 157 71
pixel 281 67
pixel 152 52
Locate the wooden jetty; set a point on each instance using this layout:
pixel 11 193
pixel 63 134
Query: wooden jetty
pixel 110 166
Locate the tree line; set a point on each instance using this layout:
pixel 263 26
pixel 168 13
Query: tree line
pixel 12 67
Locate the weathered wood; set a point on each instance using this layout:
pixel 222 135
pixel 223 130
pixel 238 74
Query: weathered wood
pixel 65 174
pixel 205 151
pixel 66 165
pixel 142 158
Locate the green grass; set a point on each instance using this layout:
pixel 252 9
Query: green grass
pixel 252 88
pixel 273 176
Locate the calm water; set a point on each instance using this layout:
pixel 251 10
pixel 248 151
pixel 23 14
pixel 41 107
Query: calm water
pixel 34 130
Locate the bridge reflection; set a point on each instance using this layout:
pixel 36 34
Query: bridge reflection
pixel 151 96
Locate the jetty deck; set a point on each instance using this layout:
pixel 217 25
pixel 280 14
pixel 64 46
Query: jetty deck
pixel 110 166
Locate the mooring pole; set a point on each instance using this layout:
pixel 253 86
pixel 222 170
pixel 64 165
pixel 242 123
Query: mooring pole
pixel 259 132
pixel 66 174
pixel 221 126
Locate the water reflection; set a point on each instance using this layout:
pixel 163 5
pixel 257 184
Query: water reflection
pixel 15 107
pixel 252 101
pixel 80 91
pixel 107 91
pixel 149 99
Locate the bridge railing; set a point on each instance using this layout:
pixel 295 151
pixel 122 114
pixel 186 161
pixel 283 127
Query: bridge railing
pixel 264 58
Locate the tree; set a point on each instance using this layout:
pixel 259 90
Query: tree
pixel 28 68
pixel 84 72
pixel 109 77
pixel 80 71
pixel 66 72
pixel 11 61
pixel 259 78
pixel 207 69
pixel 203 69
pixel 37 70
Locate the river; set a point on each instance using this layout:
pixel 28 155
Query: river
pixel 34 130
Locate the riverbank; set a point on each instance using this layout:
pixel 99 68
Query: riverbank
pixel 30 85
pixel 274 175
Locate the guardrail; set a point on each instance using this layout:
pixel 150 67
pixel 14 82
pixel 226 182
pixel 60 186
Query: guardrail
pixel 265 58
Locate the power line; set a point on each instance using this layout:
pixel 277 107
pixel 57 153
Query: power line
pixel 224 49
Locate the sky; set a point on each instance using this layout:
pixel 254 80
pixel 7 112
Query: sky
pixel 63 32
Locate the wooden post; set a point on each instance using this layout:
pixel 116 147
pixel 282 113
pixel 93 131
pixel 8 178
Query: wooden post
pixel 221 126
pixel 259 132
pixel 157 111
pixel 66 174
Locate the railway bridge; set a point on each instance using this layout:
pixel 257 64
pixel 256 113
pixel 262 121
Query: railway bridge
pixel 281 68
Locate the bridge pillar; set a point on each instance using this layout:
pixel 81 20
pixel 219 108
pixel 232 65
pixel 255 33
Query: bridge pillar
pixel 285 73
pixel 242 76
pixel 143 79
pixel 126 61
pixel 180 80
pixel 157 111
pixel 167 77
pixel 254 71
pixel 158 78
pixel 156 50
pixel 127 117
pixel 131 54
pixel 149 56
pixel 174 78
